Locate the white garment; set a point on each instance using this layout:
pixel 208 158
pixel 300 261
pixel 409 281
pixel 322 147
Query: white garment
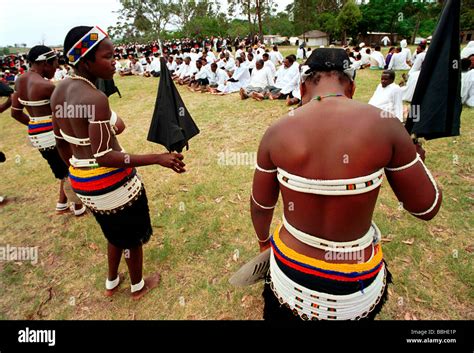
pixel 468 50
pixel 217 78
pixel 467 88
pixel 388 99
pixel 137 68
pixel 385 40
pixel 378 57
pixel 276 57
pixel 230 64
pixel 60 74
pixel 203 73
pixel 155 65
pixel 288 79
pixel 406 50
pixel 261 78
pixel 271 66
pixel 171 66
pixel 241 75
pixel 409 89
pixel 300 53
pixel 418 62
pixel 398 62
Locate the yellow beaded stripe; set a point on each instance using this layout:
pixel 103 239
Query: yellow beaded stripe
pixel 88 173
pixel 348 268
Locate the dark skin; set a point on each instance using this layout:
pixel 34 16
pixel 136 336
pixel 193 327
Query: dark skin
pixel 351 140
pixel 67 91
pixel 386 80
pixel 32 86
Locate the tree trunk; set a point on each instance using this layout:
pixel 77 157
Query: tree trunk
pixel 415 32
pixel 259 16
pixel 249 18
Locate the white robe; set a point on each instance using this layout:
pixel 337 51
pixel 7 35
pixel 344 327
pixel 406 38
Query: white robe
pixel 409 89
pixel 398 62
pixel 418 62
pixel 388 99
pixel 378 57
pixel 269 65
pixel 242 75
pixel 467 88
pixel 468 50
pixel 276 57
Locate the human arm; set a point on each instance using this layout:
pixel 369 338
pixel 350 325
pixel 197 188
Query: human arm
pixel 409 178
pixel 265 191
pixel 100 135
pixel 17 110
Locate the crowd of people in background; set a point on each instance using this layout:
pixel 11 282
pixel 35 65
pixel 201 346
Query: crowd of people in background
pixel 221 66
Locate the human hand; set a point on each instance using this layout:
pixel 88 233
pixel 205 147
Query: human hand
pixel 172 160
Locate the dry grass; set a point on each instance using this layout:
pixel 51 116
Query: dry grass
pixel 200 219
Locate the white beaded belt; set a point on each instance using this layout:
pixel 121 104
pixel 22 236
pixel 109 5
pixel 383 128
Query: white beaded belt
pixel 115 199
pixel 311 304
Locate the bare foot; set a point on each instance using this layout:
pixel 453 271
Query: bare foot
pixel 150 283
pixel 110 292
pixel 242 94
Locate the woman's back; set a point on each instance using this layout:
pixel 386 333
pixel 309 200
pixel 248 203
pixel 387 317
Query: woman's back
pixel 333 139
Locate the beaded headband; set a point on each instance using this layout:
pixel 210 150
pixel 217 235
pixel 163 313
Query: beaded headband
pixel 85 44
pixel 46 56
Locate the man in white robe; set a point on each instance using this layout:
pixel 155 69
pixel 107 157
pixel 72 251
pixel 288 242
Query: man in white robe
pixel 377 59
pixel 261 81
pixel 467 81
pixel 398 61
pixel 388 95
pixel 275 56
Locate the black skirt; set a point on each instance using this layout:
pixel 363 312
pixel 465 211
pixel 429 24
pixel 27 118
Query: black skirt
pixel 129 227
pixel 57 165
pixel 274 311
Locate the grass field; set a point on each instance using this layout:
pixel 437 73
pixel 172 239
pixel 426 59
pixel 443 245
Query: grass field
pixel 202 227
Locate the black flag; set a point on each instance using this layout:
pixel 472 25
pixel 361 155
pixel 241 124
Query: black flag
pixel 436 105
pixel 107 86
pixel 171 125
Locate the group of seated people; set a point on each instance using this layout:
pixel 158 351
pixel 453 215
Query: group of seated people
pixel 255 72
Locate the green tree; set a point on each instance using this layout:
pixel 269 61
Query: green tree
pixel 348 19
pixel 139 19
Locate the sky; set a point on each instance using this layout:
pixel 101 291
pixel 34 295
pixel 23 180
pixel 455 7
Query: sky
pixel 34 22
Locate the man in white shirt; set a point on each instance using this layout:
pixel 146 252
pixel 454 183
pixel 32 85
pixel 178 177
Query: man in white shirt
pixel 261 81
pixel 378 61
pixel 287 81
pixel 398 61
pixel 406 51
pixel 268 63
pixel 420 57
pixel 388 96
pixel 275 56
pixel 155 65
pixel 216 77
pixel 171 64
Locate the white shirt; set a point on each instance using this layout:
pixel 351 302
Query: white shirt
pixel 288 79
pixel 230 64
pixel 418 62
pixel 300 53
pixel 203 73
pixel 378 57
pixel 171 66
pixel 261 78
pixel 388 99
pixel 218 78
pixel 271 66
pixel 155 65
pixel 276 57
pixel 467 88
pixel 137 68
pixel 398 62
